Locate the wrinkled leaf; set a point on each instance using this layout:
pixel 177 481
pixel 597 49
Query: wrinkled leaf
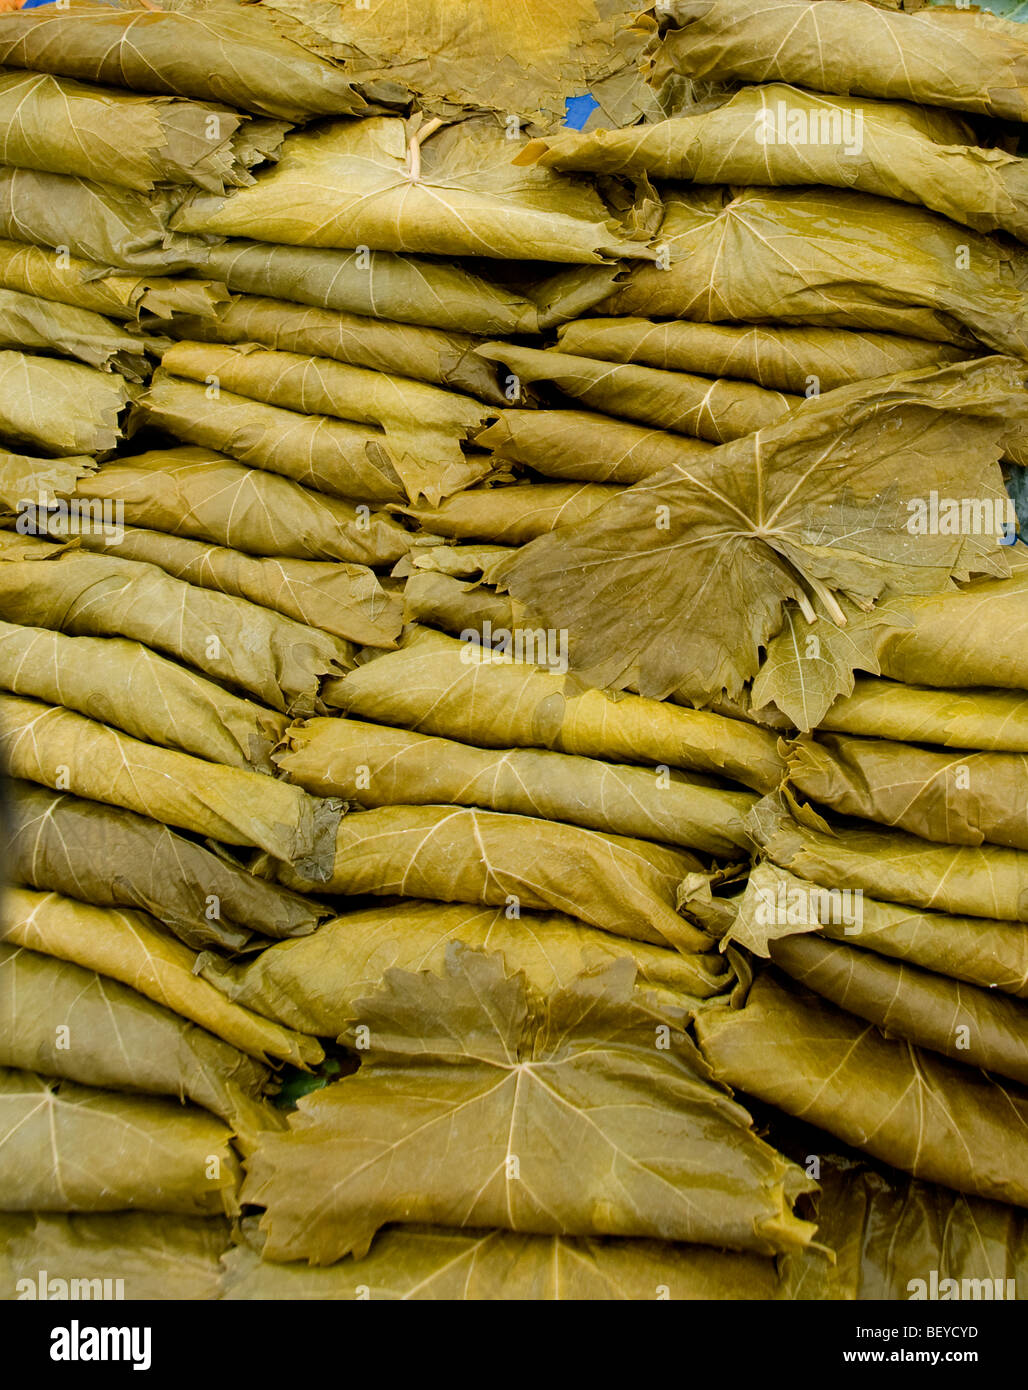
pixel 440 686
pixel 512 515
pixel 60 407
pixel 110 1152
pixel 67 844
pixel 440 601
pixel 26 479
pixel 377 766
pixel 567 1091
pixel 41 325
pixel 981 718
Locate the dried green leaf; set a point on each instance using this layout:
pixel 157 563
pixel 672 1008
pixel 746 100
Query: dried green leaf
pixel 60 407
pixel 41 325
pixel 25 479
pixel 512 516
pixel 996 720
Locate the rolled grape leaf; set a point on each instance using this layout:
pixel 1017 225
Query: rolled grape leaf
pixel 222 54
pixel 896 1238
pixel 197 493
pixel 433 554
pixel 402 289
pixel 60 407
pixel 996 720
pixel 902 1104
pixel 801 359
pixel 133 948
pixel 131 141
pixel 977 1027
pixel 110 1152
pixel 356 183
pixel 68 844
pixel 143 1254
pixel 776 905
pixel 440 601
pixel 626 886
pixel 777 134
pixel 115 227
pixel 416 1263
pixel 280 662
pixel 973 62
pixel 64 1021
pixel 127 685
pixel 423 425
pixel 315 988
pixel 817 499
pixel 437 685
pixel 83 284
pixel 331 456
pixel 345 600
pixel 377 766
pixel 512 516
pixel 445 358
pixel 43 325
pixel 988 881
pixel 24 479
pixel 525 62
pixel 585 447
pixel 528 1083
pixel 772 255
pixel 64 751
pixel 692 405
pixel 957 798
pixel 973 637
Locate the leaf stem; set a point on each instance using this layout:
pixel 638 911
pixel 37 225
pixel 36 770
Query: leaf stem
pixel 414 147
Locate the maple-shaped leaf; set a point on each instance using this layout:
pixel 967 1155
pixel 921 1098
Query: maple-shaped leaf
pixel 677 582
pixel 476 1105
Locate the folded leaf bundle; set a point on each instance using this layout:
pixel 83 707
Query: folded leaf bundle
pixel 280 662
pixel 400 289
pixel 423 425
pixel 437 685
pixel 26 479
pixel 512 515
pixel 409 1262
pixel 996 720
pixel 525 62
pixel 149 1255
pixel 902 1104
pixel 85 285
pixel 218 54
pixel 116 227
pixel 566 1087
pixel 988 881
pixel 377 766
pixel 314 985
pixel 133 947
pixel 777 906
pixel 973 62
pixel 772 255
pixel 355 183
pixel 692 405
pixel 131 141
pixel 127 685
pixel 119 1040
pixel 60 407
pixel 720 545
pixel 777 134
pixel 625 886
pixel 65 751
pixel 34 324
pixel 972 637
pixel 441 601
pixel 443 357
pixel 469 560
pixel 585 447
pixel 110 1152
pixel 787 357
pixel 331 456
pixel 345 600
pixel 957 798
pixel 66 844
pixel 197 493
pixel 977 1027
pixel 895 1238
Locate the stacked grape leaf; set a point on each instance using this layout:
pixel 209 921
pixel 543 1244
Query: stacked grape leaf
pixel 349 953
